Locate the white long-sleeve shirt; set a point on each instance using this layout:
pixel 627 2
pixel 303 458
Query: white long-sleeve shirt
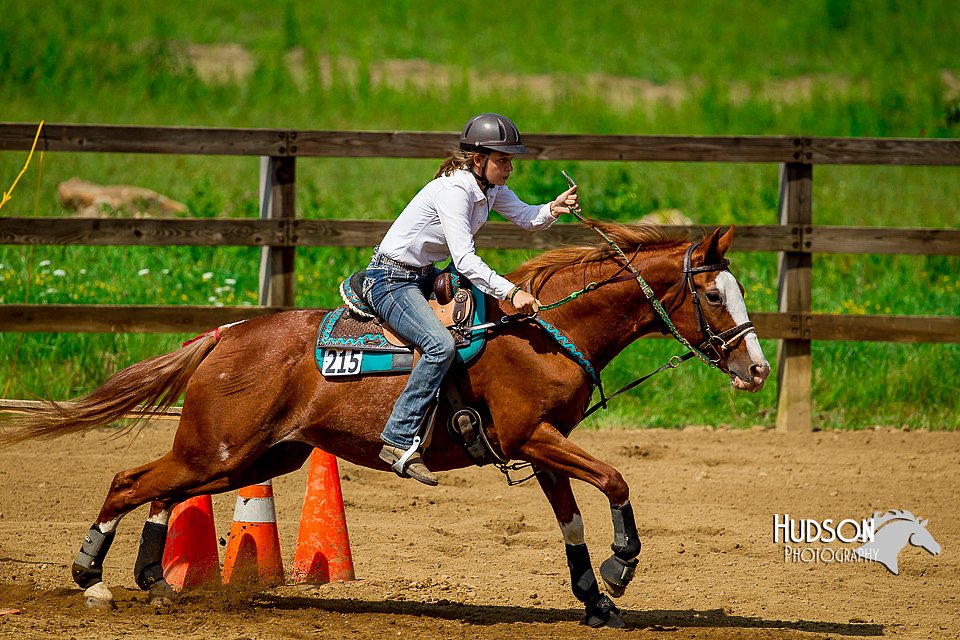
pixel 442 219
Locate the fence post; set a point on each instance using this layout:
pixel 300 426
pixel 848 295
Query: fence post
pixel 794 364
pixel 277 188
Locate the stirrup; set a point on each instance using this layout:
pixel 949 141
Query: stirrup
pixel 400 466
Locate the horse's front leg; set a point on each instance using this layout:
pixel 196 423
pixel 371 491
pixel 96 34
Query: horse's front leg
pixel 548 449
pixel 600 610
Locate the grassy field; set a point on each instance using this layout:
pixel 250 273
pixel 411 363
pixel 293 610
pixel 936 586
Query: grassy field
pixel 827 67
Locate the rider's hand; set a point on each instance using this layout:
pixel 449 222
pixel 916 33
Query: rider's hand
pixel 565 202
pixel 525 303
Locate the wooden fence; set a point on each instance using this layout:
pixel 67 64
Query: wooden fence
pixel 280 232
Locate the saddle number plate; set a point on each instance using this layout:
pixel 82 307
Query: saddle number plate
pixel 341 362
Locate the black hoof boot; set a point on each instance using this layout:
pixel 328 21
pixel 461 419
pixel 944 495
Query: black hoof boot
pixel 603 613
pixel 617 574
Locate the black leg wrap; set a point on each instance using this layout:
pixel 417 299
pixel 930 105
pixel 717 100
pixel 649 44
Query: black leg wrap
pixel 88 567
pixel 600 609
pixel 148 568
pixel 582 580
pixel 626 540
pixel 618 570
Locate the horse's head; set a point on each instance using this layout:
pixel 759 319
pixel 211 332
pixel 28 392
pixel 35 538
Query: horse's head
pixel 712 313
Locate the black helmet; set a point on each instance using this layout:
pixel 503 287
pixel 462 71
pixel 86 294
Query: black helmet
pixel 491 132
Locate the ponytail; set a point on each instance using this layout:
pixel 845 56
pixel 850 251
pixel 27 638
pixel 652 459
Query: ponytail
pixel 458 160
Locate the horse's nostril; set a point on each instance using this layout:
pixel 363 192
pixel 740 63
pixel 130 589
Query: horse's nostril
pixel 757 370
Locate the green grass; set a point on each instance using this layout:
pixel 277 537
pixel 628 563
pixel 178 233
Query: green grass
pixel 871 69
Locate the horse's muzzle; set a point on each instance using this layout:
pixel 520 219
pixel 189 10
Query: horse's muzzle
pixel 755 376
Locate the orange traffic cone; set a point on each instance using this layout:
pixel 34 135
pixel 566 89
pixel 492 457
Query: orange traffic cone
pixel 191 557
pixel 323 547
pixel 253 550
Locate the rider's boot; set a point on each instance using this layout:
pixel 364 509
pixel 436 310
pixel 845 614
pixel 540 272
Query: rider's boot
pixel 408 464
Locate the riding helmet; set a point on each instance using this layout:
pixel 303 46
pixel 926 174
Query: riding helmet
pixel 491 132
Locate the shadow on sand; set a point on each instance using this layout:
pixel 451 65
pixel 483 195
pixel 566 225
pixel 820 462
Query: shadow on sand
pixel 493 614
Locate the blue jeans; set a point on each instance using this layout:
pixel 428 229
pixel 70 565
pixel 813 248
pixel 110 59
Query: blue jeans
pixel 399 297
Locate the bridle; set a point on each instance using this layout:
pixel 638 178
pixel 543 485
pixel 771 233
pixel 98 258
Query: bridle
pixel 720 343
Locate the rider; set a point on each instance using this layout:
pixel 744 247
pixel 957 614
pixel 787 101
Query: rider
pixel 438 223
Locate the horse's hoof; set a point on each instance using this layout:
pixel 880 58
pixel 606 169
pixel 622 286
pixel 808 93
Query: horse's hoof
pixel 617 574
pixel 162 594
pixel 98 597
pixel 603 613
pixel 615 621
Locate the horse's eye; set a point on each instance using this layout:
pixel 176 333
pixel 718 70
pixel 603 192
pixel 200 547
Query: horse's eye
pixel 714 297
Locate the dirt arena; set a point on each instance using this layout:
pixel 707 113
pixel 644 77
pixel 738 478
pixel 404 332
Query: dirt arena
pixel 476 559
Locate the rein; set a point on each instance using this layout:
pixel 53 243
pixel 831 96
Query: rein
pixel 719 344
pixel 647 290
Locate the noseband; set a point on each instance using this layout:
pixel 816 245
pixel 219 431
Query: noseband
pixel 720 343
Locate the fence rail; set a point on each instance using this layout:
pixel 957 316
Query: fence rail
pixel 280 232
pixel 495 235
pixel 416 144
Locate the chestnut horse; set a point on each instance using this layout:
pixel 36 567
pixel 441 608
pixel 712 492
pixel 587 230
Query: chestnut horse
pixel 256 404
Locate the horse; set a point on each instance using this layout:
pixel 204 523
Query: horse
pixel 892 531
pixel 255 404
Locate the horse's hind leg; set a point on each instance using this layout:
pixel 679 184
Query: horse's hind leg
pixel 148 571
pixel 129 490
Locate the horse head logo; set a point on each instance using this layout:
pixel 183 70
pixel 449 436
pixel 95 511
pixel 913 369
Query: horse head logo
pixel 898 528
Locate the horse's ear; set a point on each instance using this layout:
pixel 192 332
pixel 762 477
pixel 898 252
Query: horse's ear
pixel 924 523
pixel 714 246
pixel 725 242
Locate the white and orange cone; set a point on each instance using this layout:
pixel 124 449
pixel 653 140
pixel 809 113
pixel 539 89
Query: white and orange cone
pixel 190 556
pixel 323 546
pixel 253 550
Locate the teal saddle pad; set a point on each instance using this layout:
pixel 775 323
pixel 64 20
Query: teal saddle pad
pixel 349 344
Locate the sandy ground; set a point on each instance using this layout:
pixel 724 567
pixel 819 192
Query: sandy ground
pixel 476 559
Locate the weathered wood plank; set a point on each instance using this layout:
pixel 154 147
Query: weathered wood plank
pixel 884 328
pixel 794 370
pixel 184 319
pixel 373 144
pixel 401 144
pixel 145 231
pixel 774 326
pixel 901 151
pixel 430 144
pixel 498 235
pixel 916 241
pixel 142 139
pixel 121 318
pixel 665 148
pixel 278 264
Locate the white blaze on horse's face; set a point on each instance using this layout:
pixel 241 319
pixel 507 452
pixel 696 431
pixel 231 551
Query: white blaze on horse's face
pixel 753 375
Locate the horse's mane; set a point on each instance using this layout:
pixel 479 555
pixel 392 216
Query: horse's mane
pixel 629 237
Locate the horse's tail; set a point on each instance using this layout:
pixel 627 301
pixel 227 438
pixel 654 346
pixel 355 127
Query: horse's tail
pixel 153 384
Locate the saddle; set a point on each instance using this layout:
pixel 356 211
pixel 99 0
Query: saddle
pixel 351 340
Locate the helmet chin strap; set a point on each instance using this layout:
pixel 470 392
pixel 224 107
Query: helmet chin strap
pixel 482 177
